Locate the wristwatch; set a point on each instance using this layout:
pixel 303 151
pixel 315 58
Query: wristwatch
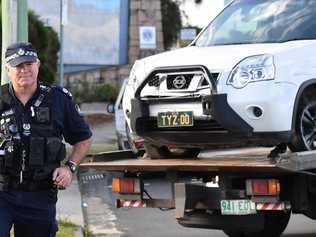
pixel 72 166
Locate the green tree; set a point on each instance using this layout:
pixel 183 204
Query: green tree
pixel 45 40
pixel 171 22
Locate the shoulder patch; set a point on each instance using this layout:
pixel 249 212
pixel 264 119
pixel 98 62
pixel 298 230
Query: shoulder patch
pixel 64 91
pixel 78 109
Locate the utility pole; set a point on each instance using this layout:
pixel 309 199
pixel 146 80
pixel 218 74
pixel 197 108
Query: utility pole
pixel 14 27
pixel 63 21
pixel 22 33
pixel 6 6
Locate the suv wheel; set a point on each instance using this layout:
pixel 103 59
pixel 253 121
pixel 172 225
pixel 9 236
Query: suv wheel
pixel 163 152
pixel 305 127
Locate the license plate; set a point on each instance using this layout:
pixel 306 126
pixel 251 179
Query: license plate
pixel 238 207
pixel 175 119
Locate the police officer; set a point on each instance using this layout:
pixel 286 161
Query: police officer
pixel 34 120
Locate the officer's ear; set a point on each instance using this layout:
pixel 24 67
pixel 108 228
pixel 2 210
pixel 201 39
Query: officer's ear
pixel 38 62
pixel 7 67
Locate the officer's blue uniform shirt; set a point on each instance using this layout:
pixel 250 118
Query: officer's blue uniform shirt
pixel 31 211
pixel 66 119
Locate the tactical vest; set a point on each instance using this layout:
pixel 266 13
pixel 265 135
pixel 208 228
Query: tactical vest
pixel 30 148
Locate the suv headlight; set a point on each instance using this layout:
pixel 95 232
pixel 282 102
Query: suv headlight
pixel 252 69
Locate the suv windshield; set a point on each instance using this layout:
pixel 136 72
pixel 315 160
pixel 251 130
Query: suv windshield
pixel 261 21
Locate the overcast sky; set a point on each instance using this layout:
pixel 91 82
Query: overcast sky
pixel 200 15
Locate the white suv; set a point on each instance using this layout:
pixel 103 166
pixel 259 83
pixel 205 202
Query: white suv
pixel 248 79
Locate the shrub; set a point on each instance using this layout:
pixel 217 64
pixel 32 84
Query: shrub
pixel 100 93
pixel 106 93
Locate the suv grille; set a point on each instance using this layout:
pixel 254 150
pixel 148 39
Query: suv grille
pixel 182 78
pixel 179 82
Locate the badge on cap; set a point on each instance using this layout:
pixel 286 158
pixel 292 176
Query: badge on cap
pixel 21 52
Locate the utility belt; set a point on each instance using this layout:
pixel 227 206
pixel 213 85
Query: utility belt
pixel 44 154
pixel 7 184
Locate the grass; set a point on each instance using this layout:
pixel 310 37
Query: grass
pixel 65 228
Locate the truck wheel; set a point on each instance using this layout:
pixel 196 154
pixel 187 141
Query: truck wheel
pixel 305 126
pixel 163 152
pixel 274 224
pixel 155 152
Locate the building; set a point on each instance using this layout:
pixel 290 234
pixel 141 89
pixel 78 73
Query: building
pixel 102 39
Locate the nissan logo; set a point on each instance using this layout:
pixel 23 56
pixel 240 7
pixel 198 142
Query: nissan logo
pixel 179 82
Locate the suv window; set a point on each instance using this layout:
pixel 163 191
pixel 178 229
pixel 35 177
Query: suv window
pixel 261 21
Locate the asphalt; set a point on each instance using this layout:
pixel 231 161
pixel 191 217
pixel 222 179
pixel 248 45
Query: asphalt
pixel 69 205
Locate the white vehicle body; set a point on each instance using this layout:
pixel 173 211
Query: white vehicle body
pixel 263 106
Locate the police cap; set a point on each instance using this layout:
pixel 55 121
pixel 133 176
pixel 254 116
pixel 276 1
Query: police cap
pixel 21 52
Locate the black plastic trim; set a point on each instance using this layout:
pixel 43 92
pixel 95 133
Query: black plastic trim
pixel 226 116
pixel 140 110
pixel 159 100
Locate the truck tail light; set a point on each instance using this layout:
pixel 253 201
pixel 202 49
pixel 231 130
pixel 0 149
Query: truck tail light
pixel 126 185
pixel 138 143
pixel 263 187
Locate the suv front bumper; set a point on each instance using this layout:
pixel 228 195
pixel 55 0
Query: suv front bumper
pixel 219 125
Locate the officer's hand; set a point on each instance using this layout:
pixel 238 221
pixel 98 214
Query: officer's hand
pixel 62 176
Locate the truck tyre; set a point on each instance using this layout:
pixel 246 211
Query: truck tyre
pixel 305 126
pixel 155 152
pixel 232 233
pixel 163 152
pixel 274 225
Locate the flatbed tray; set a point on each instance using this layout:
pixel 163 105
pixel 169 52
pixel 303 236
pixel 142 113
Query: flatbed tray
pixel 248 159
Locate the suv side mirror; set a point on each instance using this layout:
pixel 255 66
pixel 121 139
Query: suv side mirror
pixel 110 108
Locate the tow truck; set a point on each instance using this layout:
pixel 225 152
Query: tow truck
pixel 243 192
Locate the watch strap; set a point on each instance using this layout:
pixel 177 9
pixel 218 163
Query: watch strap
pixel 72 165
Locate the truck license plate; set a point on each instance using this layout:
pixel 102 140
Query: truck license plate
pixel 175 119
pixel 238 207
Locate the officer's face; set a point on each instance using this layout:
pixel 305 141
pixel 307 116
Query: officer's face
pixel 24 75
